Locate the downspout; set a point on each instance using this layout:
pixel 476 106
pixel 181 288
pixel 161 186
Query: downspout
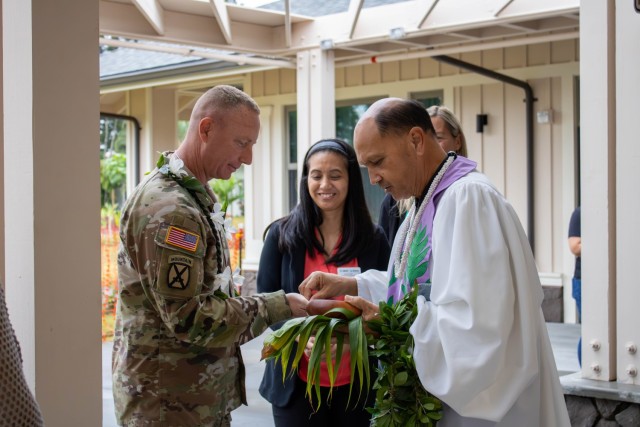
pixel 136 145
pixel 529 99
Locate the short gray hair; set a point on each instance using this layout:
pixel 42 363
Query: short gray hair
pixel 222 98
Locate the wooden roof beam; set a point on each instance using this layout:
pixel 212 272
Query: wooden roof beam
pixel 220 12
pixel 429 5
pixel 287 23
pixel 153 12
pixel 355 6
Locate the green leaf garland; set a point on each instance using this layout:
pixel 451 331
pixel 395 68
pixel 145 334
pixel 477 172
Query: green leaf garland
pixel 400 398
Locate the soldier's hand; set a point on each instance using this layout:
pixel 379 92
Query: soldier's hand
pixel 321 285
pixel 298 304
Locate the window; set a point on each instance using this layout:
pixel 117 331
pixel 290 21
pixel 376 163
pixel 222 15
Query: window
pixel 292 156
pixel 347 115
pixel 428 99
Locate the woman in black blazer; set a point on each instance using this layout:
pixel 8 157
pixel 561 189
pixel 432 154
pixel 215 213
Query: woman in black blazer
pixel 329 229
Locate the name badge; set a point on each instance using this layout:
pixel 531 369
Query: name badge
pixel 348 271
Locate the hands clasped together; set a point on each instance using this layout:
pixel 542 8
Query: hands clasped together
pixel 321 285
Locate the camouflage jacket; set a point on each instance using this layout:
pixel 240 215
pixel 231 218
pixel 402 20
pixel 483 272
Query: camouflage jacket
pixel 176 354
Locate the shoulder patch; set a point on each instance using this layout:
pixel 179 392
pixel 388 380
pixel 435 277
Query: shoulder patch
pixel 181 238
pixel 179 272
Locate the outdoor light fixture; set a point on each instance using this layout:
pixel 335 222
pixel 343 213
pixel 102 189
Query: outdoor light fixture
pixel 545 116
pixel 481 122
pixel 397 33
pixel 326 44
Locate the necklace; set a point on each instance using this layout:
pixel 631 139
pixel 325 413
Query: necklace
pixel 410 227
pixel 173 167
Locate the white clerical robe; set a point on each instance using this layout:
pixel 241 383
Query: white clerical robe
pixel 481 343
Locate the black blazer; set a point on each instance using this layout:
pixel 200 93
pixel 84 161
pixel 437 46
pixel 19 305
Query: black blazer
pixel 389 218
pixel 285 271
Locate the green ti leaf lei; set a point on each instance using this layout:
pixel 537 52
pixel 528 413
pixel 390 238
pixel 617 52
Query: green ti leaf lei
pixel 400 398
pixel 173 167
pixel 280 344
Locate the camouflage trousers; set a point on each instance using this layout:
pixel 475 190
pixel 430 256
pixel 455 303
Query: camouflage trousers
pixel 224 421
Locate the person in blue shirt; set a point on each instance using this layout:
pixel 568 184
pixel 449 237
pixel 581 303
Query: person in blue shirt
pixel 575 245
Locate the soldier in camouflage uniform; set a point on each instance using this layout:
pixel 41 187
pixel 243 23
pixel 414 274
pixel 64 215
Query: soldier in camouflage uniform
pixel 179 327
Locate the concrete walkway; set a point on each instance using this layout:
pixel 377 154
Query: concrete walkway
pixel 564 339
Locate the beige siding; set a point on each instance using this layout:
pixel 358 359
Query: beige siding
pixel 340 77
pixel 538 54
pixel 287 81
pixel 257 84
pixel 515 151
pixel 272 82
pixel 390 71
pixel 371 74
pixel 543 184
pixel 429 68
pixel 563 51
pixel 474 58
pixel 410 69
pixel 492 99
pixel 515 57
pixel 353 76
pixel 558 228
pixel 500 150
pixel 493 59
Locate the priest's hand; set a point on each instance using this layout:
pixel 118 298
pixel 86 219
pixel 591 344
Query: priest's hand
pixel 370 311
pixel 326 286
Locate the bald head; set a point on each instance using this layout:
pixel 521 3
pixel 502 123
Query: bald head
pixel 396 142
pixel 397 116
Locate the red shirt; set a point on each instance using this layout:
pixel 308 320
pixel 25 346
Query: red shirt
pixel 316 263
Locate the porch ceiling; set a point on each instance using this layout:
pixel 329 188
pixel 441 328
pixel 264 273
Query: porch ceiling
pixel 361 34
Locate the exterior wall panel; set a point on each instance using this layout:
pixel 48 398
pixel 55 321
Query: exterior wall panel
pixel 272 82
pixel 429 68
pixel 538 54
pixel 515 151
pixel 371 74
pixel 515 57
pixel 500 150
pixel 353 76
pixel 409 69
pixel 492 101
pixel 390 72
pixel 543 188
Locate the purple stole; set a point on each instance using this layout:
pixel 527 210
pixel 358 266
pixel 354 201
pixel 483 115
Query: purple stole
pixel 419 266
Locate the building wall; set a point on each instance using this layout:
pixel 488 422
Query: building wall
pixel 551 70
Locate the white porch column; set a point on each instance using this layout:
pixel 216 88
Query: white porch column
pixel 260 209
pixel 52 202
pixel 316 99
pixel 598 181
pixel 164 121
pixel 2 258
pixel 627 62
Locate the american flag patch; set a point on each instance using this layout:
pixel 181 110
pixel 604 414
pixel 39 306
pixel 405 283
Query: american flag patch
pixel 182 238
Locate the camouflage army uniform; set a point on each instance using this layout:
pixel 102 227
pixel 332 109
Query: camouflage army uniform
pixel 176 354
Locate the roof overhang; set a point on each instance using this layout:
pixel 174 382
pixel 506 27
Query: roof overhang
pixel 358 35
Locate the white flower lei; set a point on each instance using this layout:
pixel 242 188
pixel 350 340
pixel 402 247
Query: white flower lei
pixel 409 229
pixel 226 277
pixel 224 225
